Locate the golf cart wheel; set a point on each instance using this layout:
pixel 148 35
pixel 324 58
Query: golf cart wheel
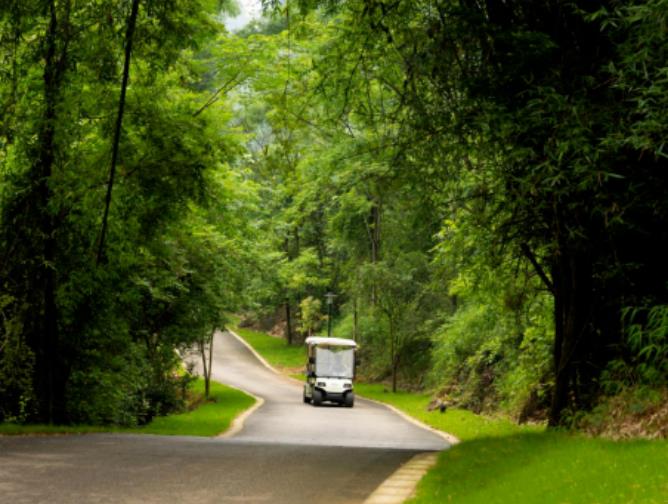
pixel 317 398
pixel 349 400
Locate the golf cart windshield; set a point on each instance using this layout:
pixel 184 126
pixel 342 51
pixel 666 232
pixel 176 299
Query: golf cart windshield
pixel 335 362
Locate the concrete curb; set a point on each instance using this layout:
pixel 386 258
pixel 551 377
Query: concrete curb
pixel 401 485
pixel 237 424
pixel 453 440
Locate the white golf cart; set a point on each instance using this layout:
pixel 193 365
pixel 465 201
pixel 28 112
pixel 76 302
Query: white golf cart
pixel 330 370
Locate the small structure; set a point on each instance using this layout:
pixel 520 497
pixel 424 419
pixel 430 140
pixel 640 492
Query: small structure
pixel 330 370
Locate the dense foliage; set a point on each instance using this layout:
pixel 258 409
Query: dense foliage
pixel 480 185
pixel 90 338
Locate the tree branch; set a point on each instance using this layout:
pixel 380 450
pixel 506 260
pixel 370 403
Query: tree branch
pixel 539 269
pixel 214 97
pixel 132 21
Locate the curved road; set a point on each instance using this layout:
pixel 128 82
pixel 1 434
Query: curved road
pixel 284 418
pixel 288 452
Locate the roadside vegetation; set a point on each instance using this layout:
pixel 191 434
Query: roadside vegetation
pixel 485 207
pixel 203 417
pixel 206 417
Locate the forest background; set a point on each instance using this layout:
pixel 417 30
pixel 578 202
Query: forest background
pixel 481 185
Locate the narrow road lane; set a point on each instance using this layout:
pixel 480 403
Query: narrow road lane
pixel 284 418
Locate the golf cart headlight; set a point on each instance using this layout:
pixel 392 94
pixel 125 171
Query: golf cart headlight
pixel 347 385
pixel 322 384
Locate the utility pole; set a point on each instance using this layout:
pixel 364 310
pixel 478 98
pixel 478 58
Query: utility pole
pixel 330 301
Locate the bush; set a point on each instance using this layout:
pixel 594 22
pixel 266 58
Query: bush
pixel 646 349
pixel 16 369
pixel 491 355
pixel 110 390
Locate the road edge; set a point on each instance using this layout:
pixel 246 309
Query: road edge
pixel 259 357
pixel 452 440
pixel 239 421
pixel 402 483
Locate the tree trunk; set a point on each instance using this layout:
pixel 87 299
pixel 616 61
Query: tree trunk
pixel 206 366
pixel 288 322
pixel 355 321
pixel 573 306
pixel 207 384
pixel 373 231
pixel 393 355
pixel 50 369
pixel 132 21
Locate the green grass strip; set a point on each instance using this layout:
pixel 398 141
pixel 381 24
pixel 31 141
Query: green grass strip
pixel 548 468
pixel 276 351
pixel 209 419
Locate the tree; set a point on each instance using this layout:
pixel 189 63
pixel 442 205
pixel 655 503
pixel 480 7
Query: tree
pixel 520 95
pixel 102 353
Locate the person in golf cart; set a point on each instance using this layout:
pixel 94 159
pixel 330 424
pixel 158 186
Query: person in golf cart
pixel 330 370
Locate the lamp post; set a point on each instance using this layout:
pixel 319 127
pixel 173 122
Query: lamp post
pixel 330 301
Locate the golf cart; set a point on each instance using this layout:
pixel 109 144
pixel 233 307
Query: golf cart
pixel 330 370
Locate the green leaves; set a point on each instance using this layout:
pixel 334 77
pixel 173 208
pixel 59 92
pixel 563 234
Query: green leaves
pixel 179 245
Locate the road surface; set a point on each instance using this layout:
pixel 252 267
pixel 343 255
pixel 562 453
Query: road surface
pixel 284 418
pixel 287 452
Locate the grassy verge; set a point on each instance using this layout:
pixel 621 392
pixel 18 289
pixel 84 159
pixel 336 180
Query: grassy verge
pixel 547 468
pixel 461 423
pixel 275 350
pixel 499 461
pixel 208 419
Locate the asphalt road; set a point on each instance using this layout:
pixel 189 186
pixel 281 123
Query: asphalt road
pixel 284 418
pixel 288 452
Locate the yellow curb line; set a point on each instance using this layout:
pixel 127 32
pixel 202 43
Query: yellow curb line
pixel 453 440
pixel 238 423
pixel 399 486
pixel 257 355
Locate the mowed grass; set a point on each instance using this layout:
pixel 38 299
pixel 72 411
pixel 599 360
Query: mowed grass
pixel 548 468
pixel 499 461
pixel 276 351
pixel 208 419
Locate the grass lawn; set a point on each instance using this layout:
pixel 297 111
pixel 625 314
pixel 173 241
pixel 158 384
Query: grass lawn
pixel 209 419
pixel 276 351
pixel 499 461
pixel 548 468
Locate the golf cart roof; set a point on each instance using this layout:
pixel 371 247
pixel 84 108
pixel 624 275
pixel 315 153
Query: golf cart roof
pixel 322 340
